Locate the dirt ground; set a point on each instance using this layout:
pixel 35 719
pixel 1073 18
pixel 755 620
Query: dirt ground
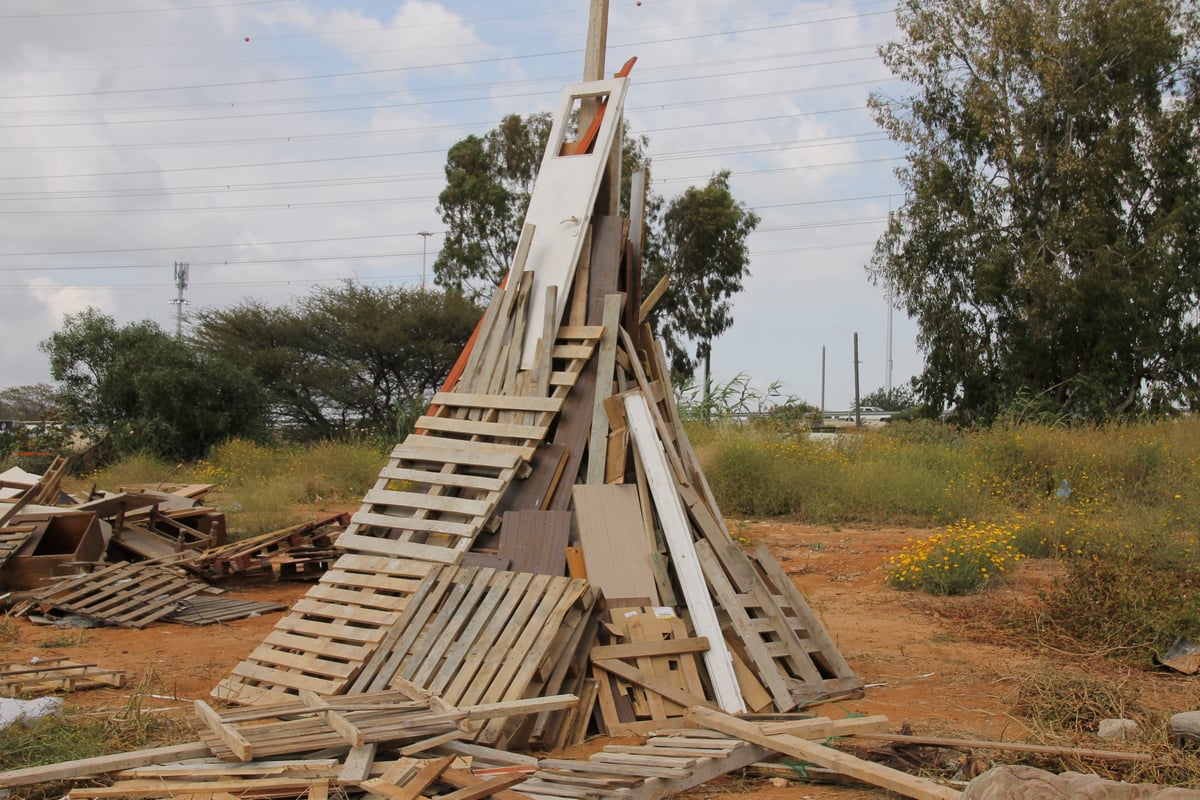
pixel 921 666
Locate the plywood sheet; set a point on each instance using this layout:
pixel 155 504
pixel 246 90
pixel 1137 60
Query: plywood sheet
pixel 613 537
pixel 536 541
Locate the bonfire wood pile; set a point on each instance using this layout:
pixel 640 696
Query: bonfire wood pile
pixel 541 558
pixel 553 470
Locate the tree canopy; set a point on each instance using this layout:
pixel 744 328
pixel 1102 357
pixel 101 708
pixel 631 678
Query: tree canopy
pixel 489 181
pixel 703 249
pixel 347 357
pixel 148 391
pixel 1048 243
pixel 30 402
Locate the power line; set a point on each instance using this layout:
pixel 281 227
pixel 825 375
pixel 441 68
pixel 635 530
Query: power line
pixel 459 101
pixel 443 65
pixel 184 247
pixel 555 81
pixel 225 188
pixel 115 12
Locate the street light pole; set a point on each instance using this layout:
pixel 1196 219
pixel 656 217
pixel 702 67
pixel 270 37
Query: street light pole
pixel 424 249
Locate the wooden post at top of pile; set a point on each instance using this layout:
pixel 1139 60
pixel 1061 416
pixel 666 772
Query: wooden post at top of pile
pixel 608 202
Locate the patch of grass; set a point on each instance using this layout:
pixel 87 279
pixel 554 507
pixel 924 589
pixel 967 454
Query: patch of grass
pixel 262 488
pixel 72 637
pixel 1058 700
pixel 71 736
pixel 1128 596
pixel 137 469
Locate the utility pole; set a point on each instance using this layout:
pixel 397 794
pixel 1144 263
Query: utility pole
pixel 822 384
pixel 424 249
pixel 857 406
pixel 181 282
pixel 887 373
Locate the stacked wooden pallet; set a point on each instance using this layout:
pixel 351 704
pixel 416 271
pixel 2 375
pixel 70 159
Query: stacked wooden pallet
pixel 281 553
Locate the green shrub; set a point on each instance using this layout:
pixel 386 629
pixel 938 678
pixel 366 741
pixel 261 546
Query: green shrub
pixel 965 557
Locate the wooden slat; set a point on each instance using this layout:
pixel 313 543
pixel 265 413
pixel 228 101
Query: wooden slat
pixel 494 430
pixel 844 764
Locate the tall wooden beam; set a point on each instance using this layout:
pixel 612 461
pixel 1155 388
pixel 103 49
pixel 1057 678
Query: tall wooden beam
pixel 608 200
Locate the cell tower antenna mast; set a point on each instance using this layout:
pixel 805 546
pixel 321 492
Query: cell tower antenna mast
pixel 181 282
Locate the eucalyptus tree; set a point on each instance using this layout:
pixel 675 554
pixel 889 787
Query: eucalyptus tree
pixel 1049 243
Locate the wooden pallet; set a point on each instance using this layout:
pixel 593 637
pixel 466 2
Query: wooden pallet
pixel 312 723
pixel 322 644
pixel 128 595
pixel 792 655
pixel 258 554
pixel 432 499
pixel 207 610
pixel 55 675
pixel 478 636
pixel 649 673
pixel 669 762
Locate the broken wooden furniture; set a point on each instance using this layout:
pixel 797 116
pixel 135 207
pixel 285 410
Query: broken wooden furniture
pixel 43 546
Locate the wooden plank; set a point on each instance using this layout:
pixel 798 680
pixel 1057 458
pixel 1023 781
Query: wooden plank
pixel 495 430
pixel 398 522
pixel 426 776
pixel 576 566
pixel 229 736
pixel 484 788
pixel 665 433
pixel 605 364
pixel 455 480
pixel 499 402
pixel 101 765
pixel 441 503
pixel 462 779
pixel 534 491
pixel 435 450
pixel 660 687
pixel 683 553
pixel 357 765
pixel 611 532
pixel 540 375
pixel 695 644
pixel 844 764
pixel 536 541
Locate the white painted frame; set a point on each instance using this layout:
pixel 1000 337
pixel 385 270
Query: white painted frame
pixel 561 205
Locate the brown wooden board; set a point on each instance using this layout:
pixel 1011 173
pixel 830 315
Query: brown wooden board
pixel 536 541
pixel 613 537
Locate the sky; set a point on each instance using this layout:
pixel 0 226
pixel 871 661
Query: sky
pixel 276 146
